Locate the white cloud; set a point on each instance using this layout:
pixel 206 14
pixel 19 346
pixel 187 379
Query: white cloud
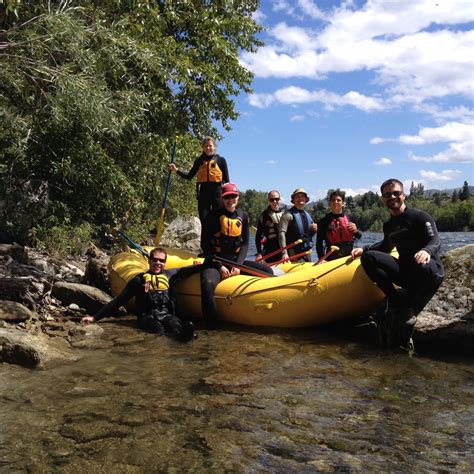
pixel 455 153
pixel 390 39
pixel 445 175
pixel 270 162
pixel 356 191
pixel 297 95
pixel 383 162
pixel 297 118
pixel 310 8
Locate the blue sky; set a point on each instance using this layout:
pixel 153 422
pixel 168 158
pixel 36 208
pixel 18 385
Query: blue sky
pixel 349 93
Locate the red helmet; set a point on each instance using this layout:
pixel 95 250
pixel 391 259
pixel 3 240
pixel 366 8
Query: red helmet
pixel 229 188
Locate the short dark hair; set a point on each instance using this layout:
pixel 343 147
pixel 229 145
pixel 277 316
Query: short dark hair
pixel 158 250
pixel 272 191
pixel 390 181
pixel 338 192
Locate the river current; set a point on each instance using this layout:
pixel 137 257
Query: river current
pixel 239 400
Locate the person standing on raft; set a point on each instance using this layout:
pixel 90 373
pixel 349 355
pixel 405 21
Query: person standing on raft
pixel 267 229
pixel 417 271
pixel 211 170
pixel 295 224
pixel 335 228
pixel 225 234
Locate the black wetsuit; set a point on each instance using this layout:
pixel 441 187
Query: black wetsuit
pixel 409 232
pixel 208 193
pixel 323 244
pixel 234 249
pixel 155 309
pixel 267 227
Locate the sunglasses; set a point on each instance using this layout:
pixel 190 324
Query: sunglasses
pixel 157 259
pixel 230 196
pixel 389 194
pixel 274 199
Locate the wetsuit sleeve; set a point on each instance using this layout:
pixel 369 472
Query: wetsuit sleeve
pixel 321 236
pixel 259 234
pixel 358 234
pixel 192 172
pixel 428 224
pixel 244 247
pixel 285 220
pixel 113 305
pixel 384 245
pixel 222 164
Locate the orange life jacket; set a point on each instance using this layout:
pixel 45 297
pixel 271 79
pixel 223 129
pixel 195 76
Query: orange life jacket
pixel 229 238
pixel 209 172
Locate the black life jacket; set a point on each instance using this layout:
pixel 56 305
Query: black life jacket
pixel 338 232
pixel 228 239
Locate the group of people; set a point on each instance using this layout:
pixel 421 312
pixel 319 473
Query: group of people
pixel 408 280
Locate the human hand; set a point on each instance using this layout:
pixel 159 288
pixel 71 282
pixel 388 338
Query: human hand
pixel 258 257
pixel 352 227
pixel 313 227
pixel 234 271
pixel 422 257
pixel 173 167
pixel 88 320
pixel 224 271
pixel 357 252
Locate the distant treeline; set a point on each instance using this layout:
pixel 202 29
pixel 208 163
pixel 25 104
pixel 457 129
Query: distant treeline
pixel 452 212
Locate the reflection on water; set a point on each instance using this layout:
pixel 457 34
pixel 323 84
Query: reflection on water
pixel 237 400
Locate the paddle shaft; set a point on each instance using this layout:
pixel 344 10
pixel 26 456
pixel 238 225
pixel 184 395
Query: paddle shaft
pixel 293 257
pixel 161 222
pixel 250 270
pixel 133 244
pixel 332 249
pixel 271 254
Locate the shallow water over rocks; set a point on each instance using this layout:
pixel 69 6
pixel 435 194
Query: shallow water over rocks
pixel 237 399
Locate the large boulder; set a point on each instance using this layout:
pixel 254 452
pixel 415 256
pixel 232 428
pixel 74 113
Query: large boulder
pixel 33 350
pixel 449 317
pixel 12 311
pixel 85 296
pixel 183 233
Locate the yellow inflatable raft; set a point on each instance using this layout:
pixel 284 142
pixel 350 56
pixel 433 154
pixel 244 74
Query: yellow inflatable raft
pixel 305 295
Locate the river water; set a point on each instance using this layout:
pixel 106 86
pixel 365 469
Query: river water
pixel 238 400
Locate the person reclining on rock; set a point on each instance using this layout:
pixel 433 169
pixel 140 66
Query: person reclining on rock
pixel 155 306
pixel 417 271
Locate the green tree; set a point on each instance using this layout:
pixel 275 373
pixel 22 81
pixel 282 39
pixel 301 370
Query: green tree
pixel 92 97
pixel 464 193
pixel 253 202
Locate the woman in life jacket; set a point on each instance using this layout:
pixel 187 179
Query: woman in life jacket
pixel 211 170
pixel 335 228
pixel 154 307
pixel 266 237
pixel 225 234
pixel 295 224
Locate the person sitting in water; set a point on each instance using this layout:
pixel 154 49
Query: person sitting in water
pixel 335 228
pixel 410 280
pixel 212 172
pixel 155 307
pixel 295 224
pixel 225 234
pixel 267 229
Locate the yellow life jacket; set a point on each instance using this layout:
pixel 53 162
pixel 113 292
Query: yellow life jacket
pixel 229 238
pixel 209 172
pixel 153 282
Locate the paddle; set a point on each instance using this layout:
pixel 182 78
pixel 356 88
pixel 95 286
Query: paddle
pixel 161 222
pixel 332 249
pixel 250 270
pixel 293 257
pixel 271 254
pixel 133 244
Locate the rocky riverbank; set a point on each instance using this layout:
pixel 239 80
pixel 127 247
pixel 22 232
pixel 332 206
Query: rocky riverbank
pixel 42 300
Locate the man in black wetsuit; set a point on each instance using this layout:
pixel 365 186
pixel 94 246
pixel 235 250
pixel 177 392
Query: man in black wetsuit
pixel 212 172
pixel 335 228
pixel 155 307
pixel 267 229
pixel 418 271
pixel 225 234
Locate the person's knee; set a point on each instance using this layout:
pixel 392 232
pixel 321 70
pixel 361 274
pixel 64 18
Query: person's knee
pixel 367 259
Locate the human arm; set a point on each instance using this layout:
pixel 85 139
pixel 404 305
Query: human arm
pixel 285 220
pixel 222 164
pixel 320 238
pixel 244 246
pixel 191 173
pixel 259 235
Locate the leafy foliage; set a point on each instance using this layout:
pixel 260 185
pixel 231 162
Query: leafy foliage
pixel 93 96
